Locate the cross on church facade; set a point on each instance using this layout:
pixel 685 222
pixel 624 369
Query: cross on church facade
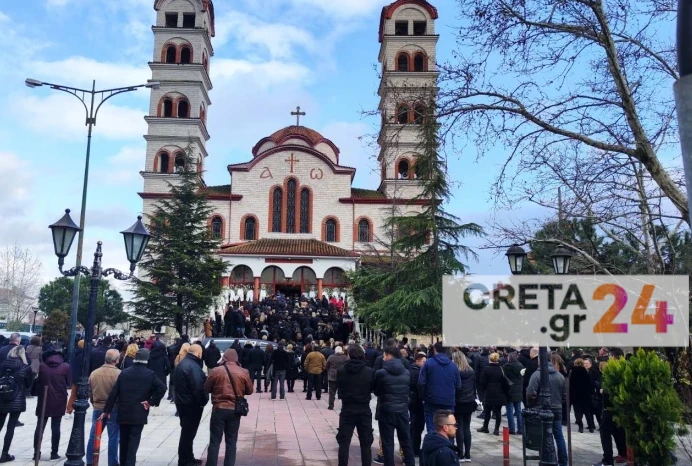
pixel 292 160
pixel 298 114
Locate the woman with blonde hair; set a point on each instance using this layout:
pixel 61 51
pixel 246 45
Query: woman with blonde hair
pixel 129 358
pixel 183 352
pixel 465 403
pixel 494 385
pixel 16 367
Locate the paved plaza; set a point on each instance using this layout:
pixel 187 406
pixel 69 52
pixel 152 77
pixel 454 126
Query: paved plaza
pixel 295 432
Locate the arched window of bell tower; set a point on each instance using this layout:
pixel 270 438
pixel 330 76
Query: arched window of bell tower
pixel 185 55
pixel 170 54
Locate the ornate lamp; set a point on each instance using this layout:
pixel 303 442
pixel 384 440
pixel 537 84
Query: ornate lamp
pixel 64 232
pixel 136 240
pixel 516 257
pixel 561 260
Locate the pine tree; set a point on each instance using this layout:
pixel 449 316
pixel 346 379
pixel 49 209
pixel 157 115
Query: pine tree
pixel 405 295
pixel 180 274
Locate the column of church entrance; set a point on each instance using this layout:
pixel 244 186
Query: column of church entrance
pixel 319 288
pixel 255 296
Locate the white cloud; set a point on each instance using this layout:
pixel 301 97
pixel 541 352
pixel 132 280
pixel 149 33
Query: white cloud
pixel 263 74
pixel 16 181
pixel 80 71
pixel 343 9
pixel 123 168
pixel 4 18
pixel 354 150
pixel 61 116
pixel 279 39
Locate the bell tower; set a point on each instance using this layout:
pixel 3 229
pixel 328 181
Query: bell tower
pixel 409 82
pixel 178 110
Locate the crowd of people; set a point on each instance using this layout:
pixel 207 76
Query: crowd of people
pixel 417 389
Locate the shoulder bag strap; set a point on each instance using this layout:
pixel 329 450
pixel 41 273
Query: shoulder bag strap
pixel 235 391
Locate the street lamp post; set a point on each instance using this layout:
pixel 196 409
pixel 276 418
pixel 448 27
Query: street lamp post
pixel 33 325
pixel 91 114
pixel 64 231
pixel 561 261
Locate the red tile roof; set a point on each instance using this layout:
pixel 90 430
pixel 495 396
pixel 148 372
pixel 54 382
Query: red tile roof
pixel 358 193
pixel 314 137
pixel 287 247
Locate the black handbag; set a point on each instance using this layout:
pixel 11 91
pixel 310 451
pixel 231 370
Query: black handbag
pixel 242 408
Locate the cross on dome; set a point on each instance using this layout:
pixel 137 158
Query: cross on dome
pixel 298 114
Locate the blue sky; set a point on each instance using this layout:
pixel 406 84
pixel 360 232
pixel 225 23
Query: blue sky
pixel 270 55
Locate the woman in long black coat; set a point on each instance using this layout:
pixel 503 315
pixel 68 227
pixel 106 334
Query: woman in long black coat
pixel 495 388
pixel 55 374
pixel 16 367
pixel 580 394
pixel 158 361
pixel 514 371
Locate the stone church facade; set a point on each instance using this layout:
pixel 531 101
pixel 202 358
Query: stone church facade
pixel 289 218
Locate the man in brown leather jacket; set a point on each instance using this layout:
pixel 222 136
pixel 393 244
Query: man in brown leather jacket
pixel 224 383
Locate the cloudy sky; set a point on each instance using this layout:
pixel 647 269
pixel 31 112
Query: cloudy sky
pixel 270 55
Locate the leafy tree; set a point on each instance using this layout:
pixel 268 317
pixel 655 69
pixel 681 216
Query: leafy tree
pixel 645 404
pixel 109 303
pixel 56 325
pixel 180 274
pixel 404 294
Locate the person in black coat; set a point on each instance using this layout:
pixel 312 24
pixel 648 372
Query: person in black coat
pixel 464 403
pixel 15 366
pixel 173 351
pixel 158 361
pixel 255 362
pixel 98 354
pixel 212 356
pixel 580 394
pixel 514 371
pixel 496 392
pixel 190 399
pixel 529 359
pixel 228 329
pixel 245 361
pixel 415 405
pixel 135 391
pixel 218 325
pixel 355 383
pixel 392 386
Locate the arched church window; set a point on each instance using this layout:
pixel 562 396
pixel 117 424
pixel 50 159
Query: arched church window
pixel 167 108
pixel 291 187
pixel 164 160
pixel 170 54
pixel 277 200
pixel 250 229
pixel 183 109
pixel 179 162
pixel 402 169
pixel 402 114
pixel 419 62
pixel 402 62
pixel 419 114
pixel 216 227
pixel 364 231
pixel 305 210
pixel 416 171
pixel 185 55
pixel 330 231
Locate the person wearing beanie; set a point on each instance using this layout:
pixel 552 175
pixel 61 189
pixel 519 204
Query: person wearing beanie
pixel 334 362
pixel 135 391
pixel 190 400
pixel 226 383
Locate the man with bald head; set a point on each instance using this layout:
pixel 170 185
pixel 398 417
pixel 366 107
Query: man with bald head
pixel 101 382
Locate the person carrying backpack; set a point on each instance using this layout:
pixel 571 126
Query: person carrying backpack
pixel 15 378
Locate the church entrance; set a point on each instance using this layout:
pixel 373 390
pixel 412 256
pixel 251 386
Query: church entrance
pixel 291 291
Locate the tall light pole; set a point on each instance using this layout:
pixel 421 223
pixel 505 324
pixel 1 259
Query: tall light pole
pixel 683 91
pixel 91 114
pixel 561 261
pixel 136 239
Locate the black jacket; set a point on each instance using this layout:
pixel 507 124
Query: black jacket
pixel 467 392
pixel 438 451
pixel 98 358
pixel 580 386
pixel 370 356
pixel 494 386
pixel 355 382
pixel 392 386
pixel 255 358
pixel 514 372
pixel 281 360
pixel 135 385
pixel 479 363
pixel 414 397
pixel 158 362
pixel 23 378
pixel 212 355
pixel 189 382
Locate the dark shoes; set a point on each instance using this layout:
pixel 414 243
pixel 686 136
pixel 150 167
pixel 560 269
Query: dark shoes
pixel 483 430
pixel 54 456
pixel 496 432
pixel 378 460
pixel 581 429
pixel 19 424
pixel 620 459
pixel 330 407
pixel 6 457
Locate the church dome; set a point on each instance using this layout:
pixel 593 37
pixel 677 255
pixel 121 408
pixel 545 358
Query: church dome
pixel 298 135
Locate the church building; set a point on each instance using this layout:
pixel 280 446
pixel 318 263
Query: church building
pixel 289 218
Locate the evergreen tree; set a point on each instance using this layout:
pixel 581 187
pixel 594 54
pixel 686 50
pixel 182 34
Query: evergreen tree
pixel 404 295
pixel 180 274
